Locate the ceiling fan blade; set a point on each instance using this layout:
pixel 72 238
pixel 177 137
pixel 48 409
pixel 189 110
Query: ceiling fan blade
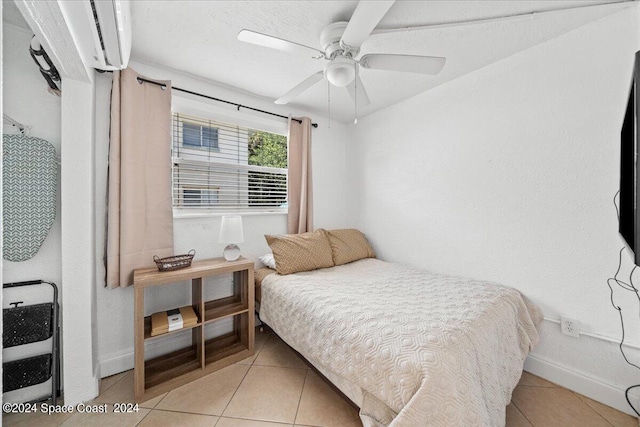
pixel 363 98
pixel 306 84
pixel 406 63
pixel 260 39
pixel 364 19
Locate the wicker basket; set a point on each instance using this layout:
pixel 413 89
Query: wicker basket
pixel 175 262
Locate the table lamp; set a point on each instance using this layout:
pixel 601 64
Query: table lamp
pixel 231 233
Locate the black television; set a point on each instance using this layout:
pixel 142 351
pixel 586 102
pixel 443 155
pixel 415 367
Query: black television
pixel 629 220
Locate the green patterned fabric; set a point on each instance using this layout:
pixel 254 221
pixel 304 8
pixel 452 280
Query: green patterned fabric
pixel 29 174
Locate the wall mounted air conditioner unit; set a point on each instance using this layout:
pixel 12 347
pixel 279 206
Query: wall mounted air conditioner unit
pixel 102 31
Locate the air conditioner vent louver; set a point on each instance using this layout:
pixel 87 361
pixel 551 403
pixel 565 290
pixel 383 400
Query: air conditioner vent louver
pixel 97 22
pixel 102 31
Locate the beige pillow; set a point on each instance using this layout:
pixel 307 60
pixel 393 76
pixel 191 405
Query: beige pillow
pixel 349 245
pixel 300 252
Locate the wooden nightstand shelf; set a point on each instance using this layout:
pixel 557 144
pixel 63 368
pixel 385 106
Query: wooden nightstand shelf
pixel 161 374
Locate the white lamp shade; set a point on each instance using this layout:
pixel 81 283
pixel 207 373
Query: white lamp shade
pixel 340 72
pixel 231 229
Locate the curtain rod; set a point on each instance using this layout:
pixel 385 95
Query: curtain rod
pixel 140 80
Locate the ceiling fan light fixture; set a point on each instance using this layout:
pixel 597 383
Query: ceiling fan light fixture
pixel 340 72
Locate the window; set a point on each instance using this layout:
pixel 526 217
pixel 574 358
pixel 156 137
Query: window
pixel 224 167
pixel 197 135
pixel 199 196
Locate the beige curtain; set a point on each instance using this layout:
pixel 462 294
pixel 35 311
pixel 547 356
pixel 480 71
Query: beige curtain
pixel 139 216
pixel 300 200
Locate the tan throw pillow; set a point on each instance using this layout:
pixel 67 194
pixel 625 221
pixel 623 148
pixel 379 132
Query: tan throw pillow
pixel 349 245
pixel 300 252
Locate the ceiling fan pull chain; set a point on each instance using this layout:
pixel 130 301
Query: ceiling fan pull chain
pixel 329 101
pixel 355 94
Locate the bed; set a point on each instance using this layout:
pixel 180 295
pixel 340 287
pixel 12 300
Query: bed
pixel 409 347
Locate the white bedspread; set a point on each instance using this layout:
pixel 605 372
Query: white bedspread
pixel 425 349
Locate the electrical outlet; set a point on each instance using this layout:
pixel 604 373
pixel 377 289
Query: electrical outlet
pixel 569 327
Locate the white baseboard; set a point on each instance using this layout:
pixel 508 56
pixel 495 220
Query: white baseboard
pixel 116 364
pixel 579 382
pixel 96 381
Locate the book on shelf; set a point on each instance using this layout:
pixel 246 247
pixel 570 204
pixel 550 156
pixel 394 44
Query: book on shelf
pixel 172 320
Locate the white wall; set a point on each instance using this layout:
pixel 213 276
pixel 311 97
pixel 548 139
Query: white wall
pixel 115 307
pixel 26 99
pixel 508 174
pixel 79 331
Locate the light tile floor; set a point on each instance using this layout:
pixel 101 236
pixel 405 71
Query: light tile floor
pixel 275 388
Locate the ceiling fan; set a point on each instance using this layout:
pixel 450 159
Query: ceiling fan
pixel 341 42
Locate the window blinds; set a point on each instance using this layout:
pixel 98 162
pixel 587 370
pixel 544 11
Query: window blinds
pixel 213 170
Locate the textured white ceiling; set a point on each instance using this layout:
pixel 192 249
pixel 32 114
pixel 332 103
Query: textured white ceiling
pixel 199 37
